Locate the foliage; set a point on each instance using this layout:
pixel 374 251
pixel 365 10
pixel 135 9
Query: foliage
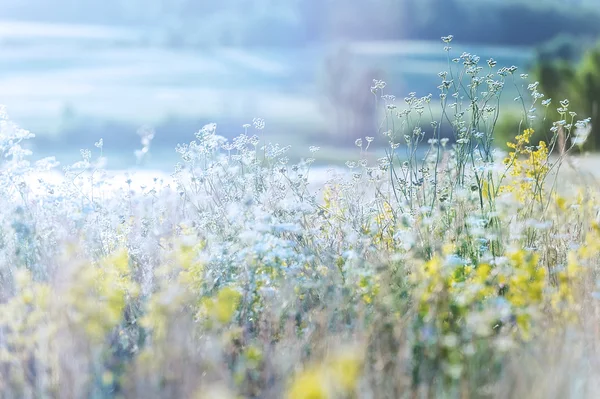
pixel 437 276
pixel 579 81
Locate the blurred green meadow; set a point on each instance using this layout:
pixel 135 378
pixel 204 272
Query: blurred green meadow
pixel 74 84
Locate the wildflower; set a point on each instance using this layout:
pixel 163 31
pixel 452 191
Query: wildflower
pixel 308 385
pixel 223 306
pixel 259 123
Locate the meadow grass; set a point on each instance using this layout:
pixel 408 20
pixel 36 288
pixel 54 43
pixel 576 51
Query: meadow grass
pixel 462 272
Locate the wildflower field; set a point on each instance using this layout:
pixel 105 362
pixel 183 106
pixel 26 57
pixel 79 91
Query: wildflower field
pixel 469 272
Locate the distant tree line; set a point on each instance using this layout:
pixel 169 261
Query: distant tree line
pixel 578 81
pixel 565 69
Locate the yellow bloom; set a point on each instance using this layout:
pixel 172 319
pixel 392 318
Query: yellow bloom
pixel 345 371
pixel 337 376
pixel 309 385
pixel 223 306
pixel 561 202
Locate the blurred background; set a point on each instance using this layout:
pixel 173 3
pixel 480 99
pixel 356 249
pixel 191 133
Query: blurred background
pixel 75 71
